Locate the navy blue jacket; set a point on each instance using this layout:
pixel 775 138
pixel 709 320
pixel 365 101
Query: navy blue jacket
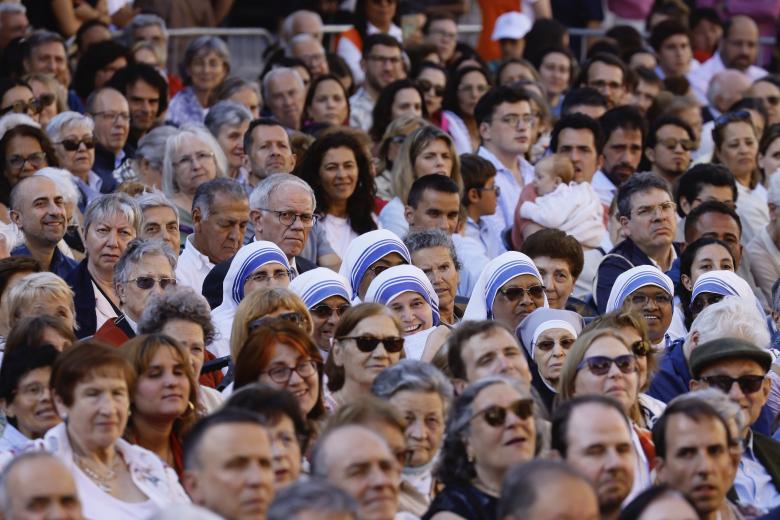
pixel 60 265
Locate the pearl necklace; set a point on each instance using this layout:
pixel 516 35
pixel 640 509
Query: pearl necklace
pixel 102 481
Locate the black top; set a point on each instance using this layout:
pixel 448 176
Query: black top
pixel 466 501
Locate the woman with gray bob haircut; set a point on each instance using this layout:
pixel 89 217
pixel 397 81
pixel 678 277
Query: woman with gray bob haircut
pixel 147 164
pixel 228 121
pixel 422 394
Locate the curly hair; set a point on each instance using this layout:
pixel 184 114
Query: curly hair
pixel 177 303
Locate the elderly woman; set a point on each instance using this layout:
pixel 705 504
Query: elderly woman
pixel 406 291
pixel 547 336
pixel 25 395
pixel 280 354
pixel 491 428
pixel 509 289
pixel 183 314
pixel 91 384
pixel 206 63
pixel 422 394
pixel 147 164
pixel 241 91
pixel 367 256
pixel 110 223
pixel 146 268
pixel 228 121
pixel 257 265
pixel 74 143
pixel 192 157
pixel 326 295
pixel 164 400
pixel 159 220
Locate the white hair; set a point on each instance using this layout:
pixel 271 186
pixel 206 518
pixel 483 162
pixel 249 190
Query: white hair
pixel 261 195
pixel 61 178
pixel 172 149
pixel 12 120
pixel 58 123
pixel 277 72
pixel 288 25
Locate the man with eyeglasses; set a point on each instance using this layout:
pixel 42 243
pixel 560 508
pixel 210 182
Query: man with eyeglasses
pixel 111 113
pixel 310 51
pixel 739 369
pixel 669 145
pixel 767 89
pixel 607 74
pixel 145 269
pixel 382 63
pixel 441 31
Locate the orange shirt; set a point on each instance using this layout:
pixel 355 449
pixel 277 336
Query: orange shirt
pixel 491 10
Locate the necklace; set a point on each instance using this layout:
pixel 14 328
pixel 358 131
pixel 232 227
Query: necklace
pixel 102 481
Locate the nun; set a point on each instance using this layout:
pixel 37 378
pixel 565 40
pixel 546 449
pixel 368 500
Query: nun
pixel 508 290
pixel 367 256
pixel 646 290
pixel 327 296
pixel 712 286
pixel 257 265
pixel 408 292
pixel 547 336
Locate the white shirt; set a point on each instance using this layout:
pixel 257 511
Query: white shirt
pixel 472 258
pixel 392 218
pixel 510 188
pixel 339 233
pixel 604 187
pixel 753 210
pixel 104 311
pixel 459 132
pixel 193 266
pixel 700 78
pixel 487 235
pixel 361 108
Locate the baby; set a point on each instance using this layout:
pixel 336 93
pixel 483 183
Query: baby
pixel 561 203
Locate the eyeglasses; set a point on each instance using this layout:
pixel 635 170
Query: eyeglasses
pixel 44 100
pixel 426 86
pixel 189 161
pixel 33 390
pixel 514 294
pixel 548 344
pixel 122 117
pixel 731 117
pixel 641 300
pixel 495 188
pixel 36 159
pixel 671 143
pixel 600 365
pixel 147 282
pixel 749 384
pixel 72 145
pixel 282 374
pixel 704 300
pixel 514 120
pixel 641 348
pixel 365 344
pixel 278 275
pixel 385 60
pixel 324 311
pixel 495 415
pixel 378 269
pixel 667 207
pixel 292 317
pixel 21 107
pixel 288 217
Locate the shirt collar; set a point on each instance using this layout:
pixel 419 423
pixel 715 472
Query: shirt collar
pixel 200 257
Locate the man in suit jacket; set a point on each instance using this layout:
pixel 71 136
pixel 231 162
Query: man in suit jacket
pixel 281 208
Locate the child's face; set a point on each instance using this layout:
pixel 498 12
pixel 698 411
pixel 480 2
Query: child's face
pixel 488 198
pixel 544 180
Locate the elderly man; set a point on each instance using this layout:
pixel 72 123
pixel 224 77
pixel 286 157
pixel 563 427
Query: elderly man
pixel 267 147
pixel 302 21
pixel 228 465
pixel 36 485
pixel 593 435
pixel 284 94
pixel 145 269
pixel 434 253
pixel 382 64
pixel 38 210
pixel 312 499
pixel 738 50
pixel 159 220
pixel 359 461
pixel 44 51
pixel 111 113
pixel 147 96
pixel 13 22
pixel 739 368
pixel 220 213
pixel 310 51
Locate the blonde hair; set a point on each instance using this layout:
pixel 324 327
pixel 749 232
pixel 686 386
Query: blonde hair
pixel 403 125
pixel 27 292
pixel 258 304
pixel 560 167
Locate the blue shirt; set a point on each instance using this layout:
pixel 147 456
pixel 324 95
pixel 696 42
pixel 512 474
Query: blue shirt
pixel 753 483
pixel 60 265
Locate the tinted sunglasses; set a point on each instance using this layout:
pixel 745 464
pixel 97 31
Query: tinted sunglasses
pixel 600 365
pixel 147 282
pixel 671 143
pixel 72 145
pixel 366 344
pixel 548 344
pixel 21 107
pixel 514 294
pixel 426 86
pixel 748 384
pixel 324 311
pixel 704 300
pixel 495 415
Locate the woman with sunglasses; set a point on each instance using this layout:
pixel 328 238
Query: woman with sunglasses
pixel 547 335
pixel 460 99
pixel 491 427
pixel 408 292
pixel 700 256
pixel 280 354
pixel 367 256
pixel 508 290
pixel 402 97
pixel 367 340
pixel 50 95
pixel 16 97
pixel 432 81
pixel 257 265
pixel 736 147
pixel 327 104
pixel 389 148
pixel 649 292
pixel 326 294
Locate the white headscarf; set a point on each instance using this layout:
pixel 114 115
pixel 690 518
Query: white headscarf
pixel 319 284
pixel 636 278
pixel 542 320
pixel 367 249
pixel 725 283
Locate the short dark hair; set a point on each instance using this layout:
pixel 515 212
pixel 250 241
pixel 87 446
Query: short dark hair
pixel 435 17
pixel 460 335
pixel 556 244
pixel 652 135
pixel 710 206
pixel 227 415
pixel 38 38
pixel 587 96
pixel 624 117
pixel 476 171
pixel 692 182
pixel 434 182
pixel 562 414
pixel 208 191
pixel 665 30
pixel 648 76
pixel 524 485
pixel 751 103
pixel 135 72
pixel 692 408
pixel 577 122
pixel 20 362
pixel 704 13
pixel 379 39
pixel 601 57
pixel 487 104
pixel 263 121
pixel 638 183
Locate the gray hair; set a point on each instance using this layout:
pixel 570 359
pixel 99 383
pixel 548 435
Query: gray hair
pixel 7 7
pixel 38 38
pixel 312 495
pixel 140 21
pixel 177 303
pixel 226 113
pixel 431 238
pixel 732 317
pixel 289 22
pixel 155 199
pixel 64 182
pixel 112 204
pixel 639 183
pixel 203 44
pixel 277 72
pixel 61 121
pixel 28 456
pixel 172 149
pixel 12 120
pixel 720 402
pixel 93 97
pixel 207 193
pixel 414 376
pixel 261 195
pixel 135 252
pixel 301 38
pixel 152 146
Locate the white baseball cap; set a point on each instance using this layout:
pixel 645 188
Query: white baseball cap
pixel 512 25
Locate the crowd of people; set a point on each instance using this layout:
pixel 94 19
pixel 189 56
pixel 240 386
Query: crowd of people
pixel 396 276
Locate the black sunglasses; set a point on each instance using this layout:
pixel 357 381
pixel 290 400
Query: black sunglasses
pixel 72 145
pixel 514 294
pixel 600 365
pixel 495 415
pixel 704 300
pixel 748 384
pixel 325 311
pixel 392 344
pixel 425 86
pixel 147 282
